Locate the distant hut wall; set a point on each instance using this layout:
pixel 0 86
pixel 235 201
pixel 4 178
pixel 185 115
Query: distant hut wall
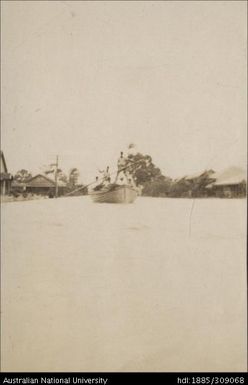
pixel 5 186
pixel 39 190
pixel 230 191
pixel 44 190
pixel 40 185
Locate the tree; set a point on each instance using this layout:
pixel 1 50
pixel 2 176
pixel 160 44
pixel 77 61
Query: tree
pixel 22 176
pixel 160 187
pixel 192 186
pixel 147 175
pixel 142 169
pixel 180 188
pixel 73 177
pixel 62 177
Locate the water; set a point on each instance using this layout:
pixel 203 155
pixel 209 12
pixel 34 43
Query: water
pixel 159 285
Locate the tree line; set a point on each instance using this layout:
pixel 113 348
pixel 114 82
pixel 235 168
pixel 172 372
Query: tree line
pixel 150 179
pixel 153 183
pixel 70 180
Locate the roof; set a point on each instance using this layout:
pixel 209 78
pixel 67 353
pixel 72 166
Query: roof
pixel 40 181
pixel 230 176
pixel 228 182
pixel 199 174
pixel 43 181
pixel 180 179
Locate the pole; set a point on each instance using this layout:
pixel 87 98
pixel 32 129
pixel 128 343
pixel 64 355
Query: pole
pixel 56 177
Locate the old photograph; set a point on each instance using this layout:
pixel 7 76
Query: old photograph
pixel 123 186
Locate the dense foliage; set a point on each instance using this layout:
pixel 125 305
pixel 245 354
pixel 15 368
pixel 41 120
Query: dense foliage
pixel 73 177
pixel 148 176
pixel 153 183
pixel 22 176
pixel 143 169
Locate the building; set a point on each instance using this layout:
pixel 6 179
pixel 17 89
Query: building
pixel 203 175
pixel 5 177
pixel 42 185
pixel 230 183
pixel 195 185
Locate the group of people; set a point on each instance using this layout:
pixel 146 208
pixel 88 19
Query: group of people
pixel 122 175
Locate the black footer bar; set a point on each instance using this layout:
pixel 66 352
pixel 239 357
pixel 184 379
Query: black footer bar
pixel 112 378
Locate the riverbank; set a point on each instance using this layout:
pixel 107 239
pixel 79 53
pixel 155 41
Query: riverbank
pixel 21 198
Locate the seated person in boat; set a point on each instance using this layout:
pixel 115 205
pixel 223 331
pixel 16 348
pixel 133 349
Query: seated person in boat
pixel 122 181
pixel 98 185
pixel 106 182
pixel 131 181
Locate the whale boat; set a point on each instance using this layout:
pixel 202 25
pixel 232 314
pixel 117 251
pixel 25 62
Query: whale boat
pixel 114 194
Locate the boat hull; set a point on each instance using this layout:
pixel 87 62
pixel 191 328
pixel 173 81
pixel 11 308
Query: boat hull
pixel 121 194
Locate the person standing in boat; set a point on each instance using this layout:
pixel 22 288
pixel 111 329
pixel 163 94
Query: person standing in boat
pixel 123 167
pixel 121 164
pixel 107 175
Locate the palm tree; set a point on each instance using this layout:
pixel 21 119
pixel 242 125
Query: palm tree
pixel 73 176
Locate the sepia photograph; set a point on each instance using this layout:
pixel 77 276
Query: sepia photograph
pixel 123 186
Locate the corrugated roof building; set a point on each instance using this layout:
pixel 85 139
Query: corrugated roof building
pixel 229 183
pixel 5 177
pixel 42 185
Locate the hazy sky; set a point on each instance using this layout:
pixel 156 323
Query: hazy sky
pixel 84 79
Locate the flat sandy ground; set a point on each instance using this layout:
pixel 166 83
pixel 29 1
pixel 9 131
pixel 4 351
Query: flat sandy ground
pixel 142 287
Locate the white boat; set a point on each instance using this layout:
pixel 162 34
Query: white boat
pixel 115 194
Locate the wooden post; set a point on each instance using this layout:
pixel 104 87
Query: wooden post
pixel 4 187
pixel 56 177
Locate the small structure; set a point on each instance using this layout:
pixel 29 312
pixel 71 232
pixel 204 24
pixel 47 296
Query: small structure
pixel 5 177
pixel 230 183
pixel 42 185
pixel 196 183
pixel 200 175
